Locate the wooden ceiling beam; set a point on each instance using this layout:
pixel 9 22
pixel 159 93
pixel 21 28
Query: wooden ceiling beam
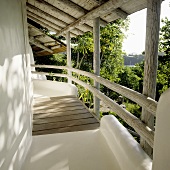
pixel 50 7
pixel 37 37
pixel 38 12
pixel 120 13
pixel 34 9
pixel 49 27
pixel 77 8
pixel 32 40
pixel 53 25
pixel 39 52
pixel 50 43
pixel 71 5
pixel 55 47
pixel 42 23
pixel 56 41
pixel 102 10
pixel 44 20
pixel 99 2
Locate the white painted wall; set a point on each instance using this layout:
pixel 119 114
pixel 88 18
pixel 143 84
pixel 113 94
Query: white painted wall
pixel 15 85
pixel 161 154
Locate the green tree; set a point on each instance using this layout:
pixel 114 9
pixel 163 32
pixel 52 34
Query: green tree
pixel 163 78
pixel 55 59
pixel 111 38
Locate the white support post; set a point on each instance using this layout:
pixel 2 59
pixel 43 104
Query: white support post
pixel 68 54
pixel 96 61
pixel 151 60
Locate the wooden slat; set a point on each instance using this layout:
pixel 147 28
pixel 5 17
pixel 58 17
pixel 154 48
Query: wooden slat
pixel 50 103
pixel 58 105
pixel 61 114
pixel 59 109
pixel 67 123
pixel 62 118
pixel 68 129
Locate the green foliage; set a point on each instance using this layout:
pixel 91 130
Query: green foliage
pixel 111 38
pixel 129 78
pixel 163 78
pixel 111 50
pixel 164 45
pixel 55 59
pixel 82 54
pixel 84 94
pixel 133 108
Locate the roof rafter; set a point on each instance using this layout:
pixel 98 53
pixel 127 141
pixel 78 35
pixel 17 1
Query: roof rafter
pixel 32 8
pixel 38 44
pixel 37 37
pixel 56 27
pixel 50 43
pixel 102 10
pixel 78 8
pixel 49 27
pixel 37 13
pixel 122 14
pixel 49 6
pixel 30 26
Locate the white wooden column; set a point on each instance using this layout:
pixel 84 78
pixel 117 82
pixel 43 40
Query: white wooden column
pixel 96 61
pixel 68 54
pixel 151 61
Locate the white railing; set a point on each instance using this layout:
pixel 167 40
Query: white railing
pixel 144 131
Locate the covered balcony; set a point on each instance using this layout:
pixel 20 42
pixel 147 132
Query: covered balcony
pixel 66 135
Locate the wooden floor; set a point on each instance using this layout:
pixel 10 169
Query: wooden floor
pixel 61 114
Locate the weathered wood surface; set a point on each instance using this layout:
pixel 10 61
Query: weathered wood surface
pixel 58 12
pixel 33 29
pixel 55 47
pixel 69 65
pixel 142 129
pixel 45 40
pixel 39 44
pixel 104 9
pixel 61 114
pixel 52 22
pixel 151 61
pixel 96 62
pixel 78 14
pixel 144 101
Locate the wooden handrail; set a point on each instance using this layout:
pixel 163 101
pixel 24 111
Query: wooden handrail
pixel 129 118
pixel 50 74
pixel 144 101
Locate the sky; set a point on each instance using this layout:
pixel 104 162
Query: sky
pixel 135 41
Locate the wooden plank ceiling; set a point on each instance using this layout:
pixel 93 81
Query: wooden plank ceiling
pixel 75 16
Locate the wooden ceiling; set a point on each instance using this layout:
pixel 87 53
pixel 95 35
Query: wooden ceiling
pixel 75 16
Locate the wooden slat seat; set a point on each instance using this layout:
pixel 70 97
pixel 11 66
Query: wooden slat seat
pixel 61 114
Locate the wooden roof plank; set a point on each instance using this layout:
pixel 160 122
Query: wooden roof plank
pixel 97 12
pixel 52 40
pixel 38 44
pixel 74 8
pixel 49 25
pixel 56 27
pixel 38 13
pixel 58 12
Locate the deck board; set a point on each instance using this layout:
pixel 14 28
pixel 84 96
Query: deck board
pixel 61 114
